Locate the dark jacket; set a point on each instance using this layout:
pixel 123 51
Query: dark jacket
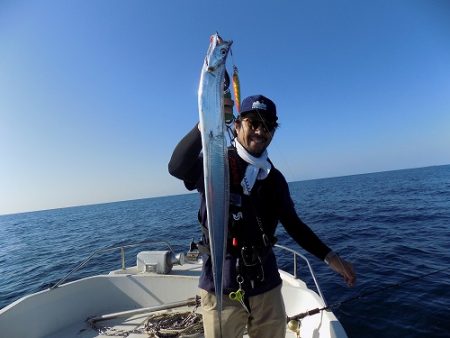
pixel 270 201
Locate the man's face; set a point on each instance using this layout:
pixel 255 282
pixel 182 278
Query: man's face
pixel 254 133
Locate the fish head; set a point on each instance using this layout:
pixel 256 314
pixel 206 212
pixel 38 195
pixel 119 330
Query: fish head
pixel 217 52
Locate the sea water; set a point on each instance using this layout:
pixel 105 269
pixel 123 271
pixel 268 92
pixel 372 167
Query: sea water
pixel 393 226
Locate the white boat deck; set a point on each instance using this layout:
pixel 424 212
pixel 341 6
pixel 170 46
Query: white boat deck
pixel 129 326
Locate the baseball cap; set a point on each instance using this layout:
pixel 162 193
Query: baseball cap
pixel 261 105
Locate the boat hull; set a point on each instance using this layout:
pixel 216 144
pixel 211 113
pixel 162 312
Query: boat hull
pixel 63 312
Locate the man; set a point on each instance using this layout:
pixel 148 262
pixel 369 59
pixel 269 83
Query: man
pixel 259 200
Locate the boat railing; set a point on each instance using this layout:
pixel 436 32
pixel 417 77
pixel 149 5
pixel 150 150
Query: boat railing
pixel 122 248
pixel 311 271
pixel 109 249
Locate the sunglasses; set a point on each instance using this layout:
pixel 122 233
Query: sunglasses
pixel 267 127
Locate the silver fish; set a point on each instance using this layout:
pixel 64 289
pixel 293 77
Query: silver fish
pixel 215 155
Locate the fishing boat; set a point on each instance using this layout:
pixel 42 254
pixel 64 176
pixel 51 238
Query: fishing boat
pixel 154 298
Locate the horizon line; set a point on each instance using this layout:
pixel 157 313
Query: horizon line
pixel 188 193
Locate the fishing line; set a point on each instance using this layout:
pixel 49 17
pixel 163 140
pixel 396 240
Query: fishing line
pixel 361 295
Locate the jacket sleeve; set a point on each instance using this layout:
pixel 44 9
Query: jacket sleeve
pixel 186 162
pixel 295 227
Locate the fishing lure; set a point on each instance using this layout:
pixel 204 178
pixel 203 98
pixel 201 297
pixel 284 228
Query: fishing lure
pixel 236 89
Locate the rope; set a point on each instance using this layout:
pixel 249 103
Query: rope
pixel 186 324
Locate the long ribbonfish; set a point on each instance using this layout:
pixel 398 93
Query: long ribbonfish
pixel 215 155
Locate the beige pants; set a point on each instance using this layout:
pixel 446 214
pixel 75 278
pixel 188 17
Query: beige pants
pixel 267 319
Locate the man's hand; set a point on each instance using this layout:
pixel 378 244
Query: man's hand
pixel 344 268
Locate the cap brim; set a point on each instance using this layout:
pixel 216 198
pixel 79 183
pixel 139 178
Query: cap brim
pixel 260 113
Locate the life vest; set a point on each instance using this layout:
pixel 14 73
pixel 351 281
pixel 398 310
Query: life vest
pixel 247 241
pixel 245 226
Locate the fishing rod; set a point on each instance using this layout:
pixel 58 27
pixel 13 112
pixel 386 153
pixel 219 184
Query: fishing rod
pixel 359 296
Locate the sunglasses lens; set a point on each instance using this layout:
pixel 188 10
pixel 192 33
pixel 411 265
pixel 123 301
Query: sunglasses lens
pixel 266 126
pixel 256 124
pixel 270 126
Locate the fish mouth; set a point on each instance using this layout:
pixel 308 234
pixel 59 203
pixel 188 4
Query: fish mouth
pixel 212 68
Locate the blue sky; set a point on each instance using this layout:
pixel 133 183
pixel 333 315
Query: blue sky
pixel 94 95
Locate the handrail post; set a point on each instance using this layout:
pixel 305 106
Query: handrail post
pixel 108 249
pixel 295 266
pixel 298 255
pixel 122 252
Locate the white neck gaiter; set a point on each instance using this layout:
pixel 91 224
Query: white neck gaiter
pixel 258 167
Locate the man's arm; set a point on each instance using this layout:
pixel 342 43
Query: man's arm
pixel 294 226
pixel 308 240
pixel 185 163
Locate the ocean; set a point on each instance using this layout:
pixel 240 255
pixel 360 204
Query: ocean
pixel 393 226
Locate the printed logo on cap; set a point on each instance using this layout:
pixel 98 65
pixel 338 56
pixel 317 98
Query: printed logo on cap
pixel 259 105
